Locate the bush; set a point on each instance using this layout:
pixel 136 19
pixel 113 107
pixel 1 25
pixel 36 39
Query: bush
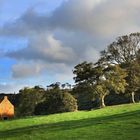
pixel 28 99
pixel 56 101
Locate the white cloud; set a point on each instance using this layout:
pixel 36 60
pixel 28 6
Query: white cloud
pixel 46 48
pixel 75 31
pixel 9 87
pixel 32 68
pixel 23 70
pixel 99 17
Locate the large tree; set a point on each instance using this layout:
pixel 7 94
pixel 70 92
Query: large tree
pixel 125 51
pixel 100 79
pixel 111 79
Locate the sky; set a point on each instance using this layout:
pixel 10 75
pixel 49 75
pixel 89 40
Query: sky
pixel 42 40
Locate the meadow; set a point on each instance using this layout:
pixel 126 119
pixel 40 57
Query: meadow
pixel 120 122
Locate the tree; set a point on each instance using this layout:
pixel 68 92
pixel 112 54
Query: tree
pixel 133 79
pixel 83 92
pixel 66 86
pixel 100 78
pixel 56 101
pixel 111 78
pixel 83 73
pixel 84 78
pixel 28 99
pixel 54 86
pixel 125 51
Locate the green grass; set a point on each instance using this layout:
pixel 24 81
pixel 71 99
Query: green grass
pixel 111 123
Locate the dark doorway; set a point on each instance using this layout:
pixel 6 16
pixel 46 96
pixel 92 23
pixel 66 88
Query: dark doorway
pixel 5 118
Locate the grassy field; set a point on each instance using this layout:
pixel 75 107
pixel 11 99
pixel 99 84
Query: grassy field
pixel 111 123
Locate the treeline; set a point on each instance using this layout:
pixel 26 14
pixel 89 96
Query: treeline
pixel 41 101
pixel 113 79
pixel 116 72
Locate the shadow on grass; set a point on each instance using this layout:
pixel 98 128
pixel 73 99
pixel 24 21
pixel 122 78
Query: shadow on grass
pixel 68 125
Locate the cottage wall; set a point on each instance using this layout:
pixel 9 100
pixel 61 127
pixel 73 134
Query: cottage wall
pixel 6 109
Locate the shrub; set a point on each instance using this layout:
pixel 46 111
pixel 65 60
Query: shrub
pixel 56 101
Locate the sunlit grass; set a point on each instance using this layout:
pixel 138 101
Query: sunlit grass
pixel 110 123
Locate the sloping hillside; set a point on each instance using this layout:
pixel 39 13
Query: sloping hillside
pixel 111 123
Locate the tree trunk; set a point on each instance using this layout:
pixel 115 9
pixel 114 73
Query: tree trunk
pixel 102 102
pixel 133 97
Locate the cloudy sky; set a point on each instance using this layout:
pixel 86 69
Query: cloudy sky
pixel 42 40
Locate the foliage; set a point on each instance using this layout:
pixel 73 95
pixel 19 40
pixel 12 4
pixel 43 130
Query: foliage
pixel 112 78
pixel 56 101
pixel 84 73
pixel 133 79
pixel 84 94
pixel 125 51
pixel 28 99
pixel 101 79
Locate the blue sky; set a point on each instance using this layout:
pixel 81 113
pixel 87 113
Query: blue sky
pixel 42 40
pixel 10 10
